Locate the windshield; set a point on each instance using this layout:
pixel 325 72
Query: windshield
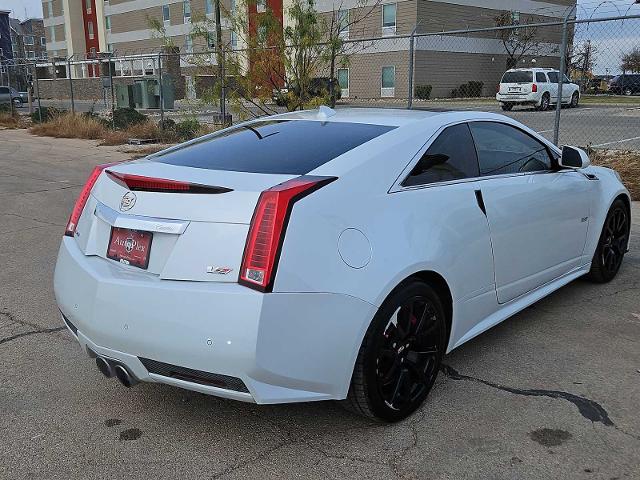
pixel 517 77
pixel 293 147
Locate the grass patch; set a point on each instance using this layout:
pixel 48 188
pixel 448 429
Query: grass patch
pixel 609 100
pixel 69 125
pixel 7 120
pixel 627 164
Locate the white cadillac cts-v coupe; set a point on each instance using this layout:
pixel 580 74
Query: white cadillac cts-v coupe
pixel 329 255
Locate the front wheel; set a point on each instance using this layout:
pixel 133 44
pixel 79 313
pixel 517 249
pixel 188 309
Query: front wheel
pixel 400 355
pixel 545 101
pixel 612 244
pixel 627 92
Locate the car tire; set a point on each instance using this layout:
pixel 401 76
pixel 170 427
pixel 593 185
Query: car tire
pixel 398 362
pixel 612 244
pixel 507 107
pixel 545 101
pixel 575 100
pixel 17 102
pixel 628 92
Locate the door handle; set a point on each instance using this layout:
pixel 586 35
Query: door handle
pixel 480 201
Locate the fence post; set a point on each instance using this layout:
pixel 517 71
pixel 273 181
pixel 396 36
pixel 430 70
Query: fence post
pixel 35 74
pixel 563 67
pixel 73 107
pixel 223 96
pixel 12 106
pixel 113 100
pixel 161 93
pixel 411 54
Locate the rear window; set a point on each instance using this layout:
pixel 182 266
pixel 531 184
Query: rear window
pixel 293 147
pixel 517 77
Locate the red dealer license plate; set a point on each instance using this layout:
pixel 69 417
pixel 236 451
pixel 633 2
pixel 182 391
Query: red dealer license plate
pixel 130 247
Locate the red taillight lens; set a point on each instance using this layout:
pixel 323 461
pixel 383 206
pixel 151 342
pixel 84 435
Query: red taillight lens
pixel 82 199
pixel 534 88
pixel 268 226
pixel 162 185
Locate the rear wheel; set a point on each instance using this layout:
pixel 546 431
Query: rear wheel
pixel 545 101
pixel 400 355
pixel 627 91
pixel 612 244
pixel 507 107
pixel 575 99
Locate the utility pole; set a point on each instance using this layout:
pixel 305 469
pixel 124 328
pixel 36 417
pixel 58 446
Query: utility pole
pixel 216 6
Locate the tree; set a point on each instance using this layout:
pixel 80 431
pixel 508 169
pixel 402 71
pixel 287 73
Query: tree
pixel 337 47
pixel 631 61
pixel 518 41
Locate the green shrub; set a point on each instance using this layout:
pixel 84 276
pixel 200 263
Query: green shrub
pixel 123 118
pixel 423 92
pixel 187 129
pixel 471 89
pixel 47 113
pixel 5 107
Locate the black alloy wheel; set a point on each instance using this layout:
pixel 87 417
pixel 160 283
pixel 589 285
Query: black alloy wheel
pixel 545 102
pixel 612 244
pixel 400 355
pixel 575 99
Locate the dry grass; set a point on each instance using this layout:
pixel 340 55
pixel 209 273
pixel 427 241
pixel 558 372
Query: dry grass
pixel 69 125
pixel 627 164
pixel 11 121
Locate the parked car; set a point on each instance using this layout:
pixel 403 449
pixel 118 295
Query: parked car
pixel 319 87
pixel 8 94
pixel 627 84
pixel 537 87
pixel 326 254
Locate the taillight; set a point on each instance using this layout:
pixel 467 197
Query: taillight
pixel 267 229
pixel 498 88
pixel 82 199
pixel 162 185
pixel 534 88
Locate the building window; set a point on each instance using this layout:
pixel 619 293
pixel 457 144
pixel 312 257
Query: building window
pixel 232 5
pixel 29 40
pixel 389 19
pixel 388 88
pixel 208 7
pixel 343 81
pixel 49 9
pixel 107 22
pixel 262 34
pixel 44 56
pixel 261 6
pixel 186 10
pixel 52 33
pixel 61 8
pixel 87 5
pixel 90 30
pixel 31 55
pixel 515 18
pixel 43 41
pixel 110 47
pixel 166 14
pixel 234 39
pixel 211 39
pixel 343 23
pixel 188 44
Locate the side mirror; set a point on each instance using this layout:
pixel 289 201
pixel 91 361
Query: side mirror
pixel 574 157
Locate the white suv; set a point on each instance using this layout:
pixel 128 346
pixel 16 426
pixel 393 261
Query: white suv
pixel 535 86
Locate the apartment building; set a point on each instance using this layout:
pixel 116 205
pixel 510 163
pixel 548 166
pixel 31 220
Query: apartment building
pixel 6 52
pixel 28 41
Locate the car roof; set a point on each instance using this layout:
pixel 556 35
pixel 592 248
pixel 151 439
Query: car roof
pixel 375 116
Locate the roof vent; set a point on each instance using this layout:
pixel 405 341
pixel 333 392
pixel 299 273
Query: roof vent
pixel 325 112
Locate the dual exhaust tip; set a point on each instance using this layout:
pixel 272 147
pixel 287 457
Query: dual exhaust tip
pixel 111 369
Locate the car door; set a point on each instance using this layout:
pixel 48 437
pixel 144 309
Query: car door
pixel 553 86
pixel 4 95
pixel 538 215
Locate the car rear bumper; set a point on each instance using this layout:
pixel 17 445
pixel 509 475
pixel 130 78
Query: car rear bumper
pixel 531 98
pixel 284 347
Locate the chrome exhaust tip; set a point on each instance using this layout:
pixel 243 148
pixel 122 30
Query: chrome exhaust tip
pixel 104 367
pixel 124 376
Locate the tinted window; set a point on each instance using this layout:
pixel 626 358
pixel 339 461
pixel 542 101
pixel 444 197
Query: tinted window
pixel 517 77
pixel 4 90
pixel 504 149
pixel 450 157
pixel 541 77
pixel 553 77
pixel 292 147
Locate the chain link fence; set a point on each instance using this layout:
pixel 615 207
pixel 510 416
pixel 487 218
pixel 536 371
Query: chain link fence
pixel 595 103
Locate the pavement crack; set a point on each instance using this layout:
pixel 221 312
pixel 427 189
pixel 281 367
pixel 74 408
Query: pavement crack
pixel 33 219
pixel 249 461
pixel 31 332
pixel 589 409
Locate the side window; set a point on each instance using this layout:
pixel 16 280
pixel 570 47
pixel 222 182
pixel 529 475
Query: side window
pixel 451 156
pixel 504 149
pixel 553 77
pixel 541 77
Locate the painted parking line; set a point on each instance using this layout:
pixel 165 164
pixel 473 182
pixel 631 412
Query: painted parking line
pixel 617 141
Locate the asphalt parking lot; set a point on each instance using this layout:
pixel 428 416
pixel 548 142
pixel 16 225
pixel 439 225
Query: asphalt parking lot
pixel 552 393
